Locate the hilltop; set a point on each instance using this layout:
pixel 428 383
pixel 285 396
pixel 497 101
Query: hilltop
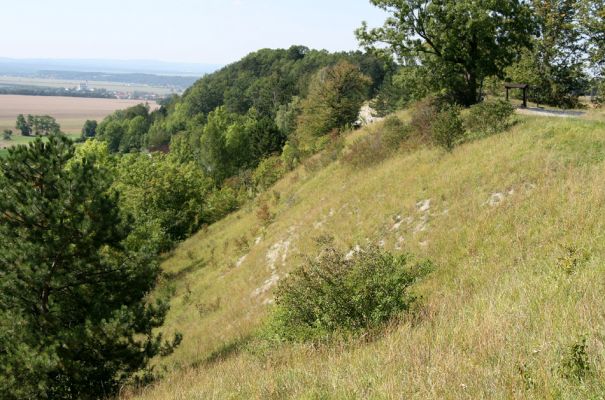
pixel 512 309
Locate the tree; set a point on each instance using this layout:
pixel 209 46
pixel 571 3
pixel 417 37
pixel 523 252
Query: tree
pixel 335 97
pixel 213 142
pixel 593 21
pixel 23 125
pixel 89 129
pixel 74 287
pixel 460 42
pixel 158 191
pixel 7 134
pixel 554 66
pixel 44 125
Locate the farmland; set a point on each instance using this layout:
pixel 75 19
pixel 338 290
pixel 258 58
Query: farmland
pixel 68 83
pixel 70 112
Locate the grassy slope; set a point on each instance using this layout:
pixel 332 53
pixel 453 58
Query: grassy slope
pixel 499 312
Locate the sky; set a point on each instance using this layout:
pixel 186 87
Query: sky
pixel 190 31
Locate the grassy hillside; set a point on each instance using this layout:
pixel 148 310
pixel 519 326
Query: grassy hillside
pixel 515 226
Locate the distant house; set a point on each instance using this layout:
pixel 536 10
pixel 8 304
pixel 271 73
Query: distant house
pixel 82 87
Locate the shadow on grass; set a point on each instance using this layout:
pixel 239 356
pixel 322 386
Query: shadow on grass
pixel 194 266
pixel 224 352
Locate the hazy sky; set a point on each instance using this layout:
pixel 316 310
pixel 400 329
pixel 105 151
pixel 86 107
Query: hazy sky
pixel 200 31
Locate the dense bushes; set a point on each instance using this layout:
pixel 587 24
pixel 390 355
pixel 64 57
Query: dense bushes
pixel 435 120
pixel 489 117
pixel 269 171
pixel 375 147
pixel 336 292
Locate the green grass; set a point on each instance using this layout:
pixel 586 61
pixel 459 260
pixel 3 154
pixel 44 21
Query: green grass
pixel 504 306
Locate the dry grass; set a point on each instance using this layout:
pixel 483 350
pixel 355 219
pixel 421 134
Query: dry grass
pixel 500 310
pixel 70 112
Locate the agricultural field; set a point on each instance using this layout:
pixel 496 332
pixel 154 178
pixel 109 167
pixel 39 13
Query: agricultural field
pixel 70 112
pixel 67 83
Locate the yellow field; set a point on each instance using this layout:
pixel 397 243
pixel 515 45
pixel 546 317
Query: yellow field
pixel 70 112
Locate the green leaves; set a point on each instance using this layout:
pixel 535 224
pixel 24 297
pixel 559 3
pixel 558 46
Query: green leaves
pixel 335 292
pixel 460 42
pixel 69 278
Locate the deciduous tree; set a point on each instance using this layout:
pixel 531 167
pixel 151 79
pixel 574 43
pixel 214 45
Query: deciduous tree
pixel 461 42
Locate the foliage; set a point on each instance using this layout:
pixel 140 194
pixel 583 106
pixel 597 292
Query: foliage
pixel 448 128
pixel 269 171
pixel 287 116
pixel 7 134
pixel 377 146
pixel 408 83
pixel 155 188
pixel 290 156
pixel 424 113
pixel 220 203
pixel 335 98
pixel 89 129
pixel 79 324
pixel 334 293
pixel 575 363
pixel 125 131
pixel 460 42
pixel 489 117
pixel 269 79
pixel 554 65
pixel 39 125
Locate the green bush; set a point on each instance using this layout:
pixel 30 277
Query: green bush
pixel 394 132
pixel 290 156
pixel 575 363
pixel 269 171
pixel 447 128
pixel 220 203
pixel 489 117
pixel 375 147
pixel 339 293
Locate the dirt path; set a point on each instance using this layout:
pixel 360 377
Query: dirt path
pixel 550 113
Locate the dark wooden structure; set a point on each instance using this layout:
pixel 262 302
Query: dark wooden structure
pixel 524 86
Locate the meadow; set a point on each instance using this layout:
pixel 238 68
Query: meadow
pixel 512 222
pixel 70 112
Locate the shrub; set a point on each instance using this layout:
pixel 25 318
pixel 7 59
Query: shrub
pixel 269 171
pixel 335 293
pixel 575 364
pixel 424 113
pixel 7 134
pixel 375 147
pixel 447 128
pixel 489 117
pixel 220 203
pixel 366 151
pixel 290 156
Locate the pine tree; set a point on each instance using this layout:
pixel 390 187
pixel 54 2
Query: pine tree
pixel 77 291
